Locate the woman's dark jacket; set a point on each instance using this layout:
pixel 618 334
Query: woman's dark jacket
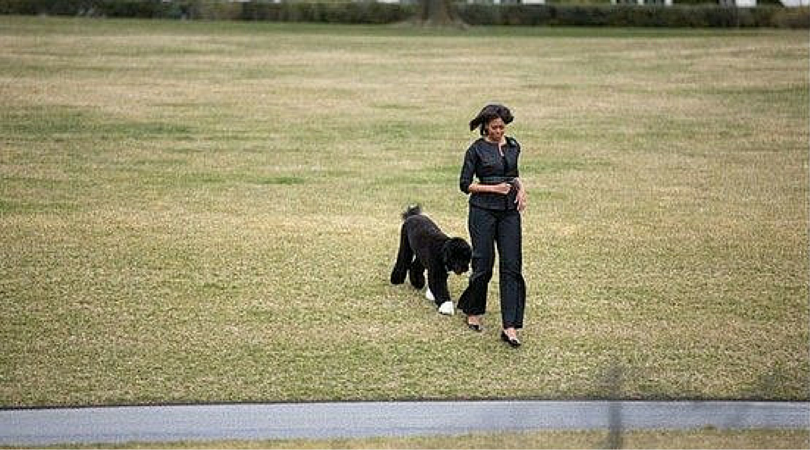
pixel 485 162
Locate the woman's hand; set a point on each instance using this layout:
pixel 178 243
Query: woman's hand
pixel 521 200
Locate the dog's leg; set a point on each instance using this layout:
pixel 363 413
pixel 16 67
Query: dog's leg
pixel 437 284
pixel 417 274
pixel 404 258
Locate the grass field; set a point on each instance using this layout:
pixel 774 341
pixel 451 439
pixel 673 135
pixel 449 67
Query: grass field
pixel 199 212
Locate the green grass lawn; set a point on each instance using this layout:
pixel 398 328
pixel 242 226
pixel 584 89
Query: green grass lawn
pixel 201 212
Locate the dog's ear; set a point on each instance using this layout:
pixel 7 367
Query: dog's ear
pixel 465 250
pixel 456 252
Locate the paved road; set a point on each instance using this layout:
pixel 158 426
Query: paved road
pixel 332 420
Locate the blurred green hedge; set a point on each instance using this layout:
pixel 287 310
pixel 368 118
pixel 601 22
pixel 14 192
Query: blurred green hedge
pixel 350 12
pixel 109 8
pixel 380 13
pixel 636 16
pixel 344 12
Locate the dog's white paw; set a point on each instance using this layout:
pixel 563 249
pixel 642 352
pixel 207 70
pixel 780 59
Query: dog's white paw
pixel 447 309
pixel 429 295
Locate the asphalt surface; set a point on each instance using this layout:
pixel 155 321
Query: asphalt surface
pixel 34 427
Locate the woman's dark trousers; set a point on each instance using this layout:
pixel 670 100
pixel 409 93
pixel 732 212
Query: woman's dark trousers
pixel 488 228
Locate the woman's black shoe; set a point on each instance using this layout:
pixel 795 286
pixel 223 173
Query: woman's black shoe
pixel 514 342
pixel 473 326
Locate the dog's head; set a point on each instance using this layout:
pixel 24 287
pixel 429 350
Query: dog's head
pixel 457 253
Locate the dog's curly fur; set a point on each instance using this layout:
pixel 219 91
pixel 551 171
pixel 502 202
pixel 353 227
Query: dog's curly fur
pixel 423 246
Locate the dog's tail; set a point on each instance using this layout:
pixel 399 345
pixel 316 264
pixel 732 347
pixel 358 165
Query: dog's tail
pixel 413 210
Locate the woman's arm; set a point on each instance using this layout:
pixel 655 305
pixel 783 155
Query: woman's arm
pixel 502 188
pixel 467 171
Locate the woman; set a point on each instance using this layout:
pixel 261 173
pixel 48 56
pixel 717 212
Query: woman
pixel 496 201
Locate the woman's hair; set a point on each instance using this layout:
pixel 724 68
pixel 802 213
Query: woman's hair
pixel 488 114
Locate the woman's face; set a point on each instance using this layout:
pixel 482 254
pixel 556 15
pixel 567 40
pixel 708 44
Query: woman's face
pixel 495 129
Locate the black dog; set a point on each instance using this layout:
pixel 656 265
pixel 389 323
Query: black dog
pixel 434 251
